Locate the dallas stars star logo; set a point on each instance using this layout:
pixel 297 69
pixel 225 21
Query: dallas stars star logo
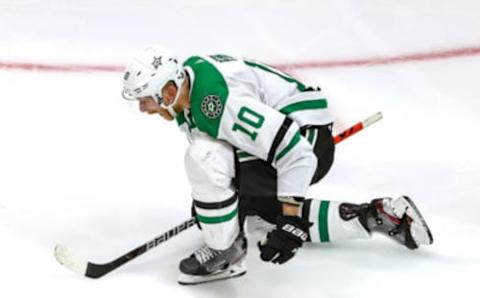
pixel 211 106
pixel 157 61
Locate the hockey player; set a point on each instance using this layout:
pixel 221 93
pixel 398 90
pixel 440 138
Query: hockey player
pixel 258 138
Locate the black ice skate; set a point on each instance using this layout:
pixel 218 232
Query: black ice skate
pixel 398 218
pixel 207 264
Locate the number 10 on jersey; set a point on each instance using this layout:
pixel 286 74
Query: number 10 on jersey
pixel 250 122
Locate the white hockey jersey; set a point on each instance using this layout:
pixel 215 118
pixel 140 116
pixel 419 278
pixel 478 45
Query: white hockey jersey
pixel 246 104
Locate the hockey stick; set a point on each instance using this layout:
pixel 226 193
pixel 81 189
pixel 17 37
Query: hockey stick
pixel 93 270
pixel 357 127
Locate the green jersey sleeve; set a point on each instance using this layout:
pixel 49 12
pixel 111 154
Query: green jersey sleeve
pixel 208 95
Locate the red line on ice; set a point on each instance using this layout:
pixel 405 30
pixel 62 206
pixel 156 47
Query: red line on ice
pixel 60 67
pixel 373 61
pixel 425 56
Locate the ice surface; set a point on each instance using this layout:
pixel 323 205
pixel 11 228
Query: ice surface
pixel 81 167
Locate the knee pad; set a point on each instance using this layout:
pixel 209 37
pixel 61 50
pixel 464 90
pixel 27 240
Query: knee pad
pixel 210 169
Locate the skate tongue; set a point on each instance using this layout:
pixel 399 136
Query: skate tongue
pixel 399 206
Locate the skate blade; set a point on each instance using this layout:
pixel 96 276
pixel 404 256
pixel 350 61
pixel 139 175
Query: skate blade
pixel 419 229
pixel 235 270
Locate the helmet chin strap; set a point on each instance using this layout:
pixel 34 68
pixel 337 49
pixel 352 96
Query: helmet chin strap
pixel 171 111
pixel 178 82
pixel 170 108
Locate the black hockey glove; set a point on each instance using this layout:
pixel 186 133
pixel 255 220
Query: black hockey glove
pixel 282 243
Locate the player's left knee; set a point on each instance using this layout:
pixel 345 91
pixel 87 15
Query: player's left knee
pixel 209 167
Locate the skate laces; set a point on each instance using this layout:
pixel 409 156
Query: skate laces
pixel 205 253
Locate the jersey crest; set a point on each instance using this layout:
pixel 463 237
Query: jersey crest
pixel 211 106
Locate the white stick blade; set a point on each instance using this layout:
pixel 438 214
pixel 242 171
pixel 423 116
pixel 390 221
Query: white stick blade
pixel 65 258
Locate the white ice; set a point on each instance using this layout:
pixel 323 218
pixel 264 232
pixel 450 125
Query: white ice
pixel 81 167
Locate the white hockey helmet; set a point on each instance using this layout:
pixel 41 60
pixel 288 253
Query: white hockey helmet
pixel 149 71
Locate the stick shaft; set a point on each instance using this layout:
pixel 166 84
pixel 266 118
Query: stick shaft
pixel 357 127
